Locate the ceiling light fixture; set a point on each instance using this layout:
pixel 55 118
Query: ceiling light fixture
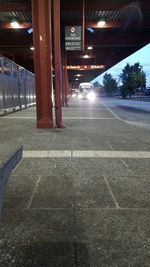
pixel 86 56
pixel 31 48
pixel 78 75
pixel 15 24
pixel 89 47
pixel 101 23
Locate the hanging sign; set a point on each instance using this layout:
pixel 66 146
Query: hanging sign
pixel 73 38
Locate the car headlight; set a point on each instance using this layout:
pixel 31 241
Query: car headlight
pixel 91 96
pixel 73 95
pixel 80 96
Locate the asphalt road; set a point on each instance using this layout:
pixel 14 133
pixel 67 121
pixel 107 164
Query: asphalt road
pixel 133 112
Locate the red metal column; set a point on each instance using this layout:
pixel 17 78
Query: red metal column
pixel 41 19
pixel 63 77
pixel 66 83
pixel 57 64
pixel 66 88
pixel 63 85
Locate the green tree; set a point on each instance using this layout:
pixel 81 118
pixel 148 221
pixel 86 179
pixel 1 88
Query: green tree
pixel 132 77
pixel 109 84
pixel 98 88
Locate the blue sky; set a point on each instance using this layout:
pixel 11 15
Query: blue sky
pixel 142 56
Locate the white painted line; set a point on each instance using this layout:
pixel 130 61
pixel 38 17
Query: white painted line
pixel 65 118
pixel 108 154
pixel 60 153
pixel 113 113
pixel 88 118
pixel 33 193
pixel 47 154
pixel 111 192
pixel 35 154
pixel 89 108
pixel 144 154
pixel 15 117
pixel 85 154
pixel 138 124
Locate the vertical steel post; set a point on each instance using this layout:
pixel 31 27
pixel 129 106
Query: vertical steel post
pixel 57 64
pixel 66 83
pixel 41 19
pixel 83 25
pixel 63 86
pixel 63 79
pixel 3 86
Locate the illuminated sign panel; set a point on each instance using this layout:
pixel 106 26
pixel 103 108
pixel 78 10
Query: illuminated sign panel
pixel 73 38
pixel 84 67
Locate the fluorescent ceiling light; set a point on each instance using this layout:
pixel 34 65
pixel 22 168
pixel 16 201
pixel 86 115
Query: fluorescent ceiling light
pixel 31 48
pixel 86 56
pixel 15 24
pixel 89 47
pixel 101 23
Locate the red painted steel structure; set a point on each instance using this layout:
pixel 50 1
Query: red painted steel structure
pixel 41 18
pixel 83 25
pixel 57 64
pixel 66 89
pixel 63 78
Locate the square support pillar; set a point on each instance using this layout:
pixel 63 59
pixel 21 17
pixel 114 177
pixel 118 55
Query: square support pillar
pixel 41 18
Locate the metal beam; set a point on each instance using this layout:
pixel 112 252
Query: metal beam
pixel 101 5
pixel 117 39
pixel 68 6
pixel 15 38
pixel 15 7
pixel 115 24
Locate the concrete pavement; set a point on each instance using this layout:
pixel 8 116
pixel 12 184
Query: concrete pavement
pixel 71 201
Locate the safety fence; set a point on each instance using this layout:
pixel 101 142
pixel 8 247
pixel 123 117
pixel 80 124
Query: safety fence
pixel 17 86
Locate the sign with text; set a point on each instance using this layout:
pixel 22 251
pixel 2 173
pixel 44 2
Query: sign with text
pixel 73 38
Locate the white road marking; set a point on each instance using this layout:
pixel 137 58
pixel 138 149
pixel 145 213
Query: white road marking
pixel 65 118
pixel 34 191
pixel 85 154
pixel 47 154
pixel 113 113
pixel 108 154
pixel 16 117
pixel 88 118
pixel 111 192
pixel 89 108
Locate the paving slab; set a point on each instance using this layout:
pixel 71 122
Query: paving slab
pixel 81 211
pixel 117 238
pixel 34 238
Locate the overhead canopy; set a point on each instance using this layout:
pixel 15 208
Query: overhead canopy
pixel 126 30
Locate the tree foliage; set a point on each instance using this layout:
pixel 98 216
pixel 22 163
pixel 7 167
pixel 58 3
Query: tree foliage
pixel 109 84
pixel 132 77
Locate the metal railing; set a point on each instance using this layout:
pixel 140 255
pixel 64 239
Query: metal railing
pixel 17 86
